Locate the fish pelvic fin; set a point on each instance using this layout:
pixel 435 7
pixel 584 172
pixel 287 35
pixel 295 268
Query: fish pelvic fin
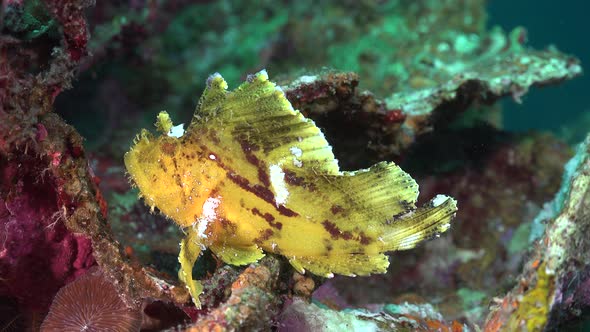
pixel 190 250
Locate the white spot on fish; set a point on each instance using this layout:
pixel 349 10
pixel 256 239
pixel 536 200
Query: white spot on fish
pixel 438 200
pixel 263 74
pixel 208 215
pixel 177 131
pixel 277 182
pixel 295 151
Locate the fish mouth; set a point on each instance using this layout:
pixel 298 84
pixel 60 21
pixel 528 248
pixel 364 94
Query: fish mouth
pixel 140 155
pixel 136 166
pixel 129 159
pixel 139 176
pixel 131 162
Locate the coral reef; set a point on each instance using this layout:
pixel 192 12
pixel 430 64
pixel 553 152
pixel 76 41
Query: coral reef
pixel 39 254
pixel 35 239
pixel 550 294
pixel 438 60
pixel 302 316
pixel 253 303
pixel 52 214
pixel 414 82
pixel 392 125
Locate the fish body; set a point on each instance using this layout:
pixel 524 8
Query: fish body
pixel 252 175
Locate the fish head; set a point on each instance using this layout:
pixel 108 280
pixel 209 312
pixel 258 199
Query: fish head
pixel 172 174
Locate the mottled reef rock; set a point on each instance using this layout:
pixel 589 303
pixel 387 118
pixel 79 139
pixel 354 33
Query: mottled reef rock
pixel 551 292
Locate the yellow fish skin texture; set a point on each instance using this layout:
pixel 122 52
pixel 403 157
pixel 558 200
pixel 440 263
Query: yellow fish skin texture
pixel 251 175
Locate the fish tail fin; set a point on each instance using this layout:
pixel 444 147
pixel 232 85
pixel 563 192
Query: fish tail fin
pixel 428 221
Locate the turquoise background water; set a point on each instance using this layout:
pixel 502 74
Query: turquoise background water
pixel 566 25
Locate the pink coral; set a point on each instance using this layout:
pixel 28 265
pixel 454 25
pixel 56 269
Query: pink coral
pixel 70 14
pixel 38 255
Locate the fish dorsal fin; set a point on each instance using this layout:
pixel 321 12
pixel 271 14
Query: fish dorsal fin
pixel 256 125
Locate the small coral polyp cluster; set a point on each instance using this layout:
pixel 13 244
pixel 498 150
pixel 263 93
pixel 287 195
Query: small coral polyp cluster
pixel 253 175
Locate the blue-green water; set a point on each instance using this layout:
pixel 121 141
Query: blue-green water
pixel 565 25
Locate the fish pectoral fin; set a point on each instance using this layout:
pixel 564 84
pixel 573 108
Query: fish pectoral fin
pixel 237 255
pixel 349 264
pixel 381 191
pixel 190 250
pixel 430 220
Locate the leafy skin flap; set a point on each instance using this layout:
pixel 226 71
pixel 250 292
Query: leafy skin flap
pixel 252 175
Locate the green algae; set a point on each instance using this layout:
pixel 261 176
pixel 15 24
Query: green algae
pixel 471 301
pixel 31 21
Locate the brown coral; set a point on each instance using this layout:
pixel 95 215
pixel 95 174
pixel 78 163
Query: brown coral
pixel 90 303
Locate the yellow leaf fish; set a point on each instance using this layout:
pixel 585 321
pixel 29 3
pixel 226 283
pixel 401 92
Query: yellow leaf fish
pixel 252 175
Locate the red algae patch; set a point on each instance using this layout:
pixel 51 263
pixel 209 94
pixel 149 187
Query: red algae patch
pixel 90 303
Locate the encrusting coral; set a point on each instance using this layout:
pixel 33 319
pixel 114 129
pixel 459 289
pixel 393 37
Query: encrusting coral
pixel 552 292
pixel 252 174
